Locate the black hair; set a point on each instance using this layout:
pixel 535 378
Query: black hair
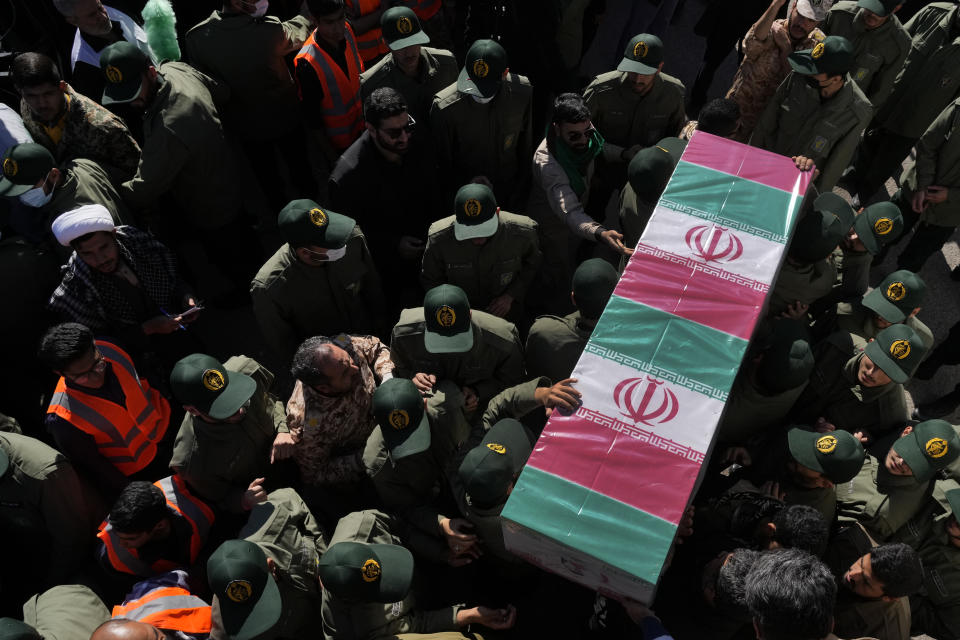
pixel 320 8
pixel 790 594
pixel 569 108
pixel 34 69
pixel 731 582
pixel 139 508
pixel 65 343
pixel 310 357
pixel 719 117
pixel 383 103
pixel 898 567
pixel 800 526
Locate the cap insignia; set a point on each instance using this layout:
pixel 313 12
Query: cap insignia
pixel 239 590
pixel 370 570
pixel 883 226
pixel 826 444
pixel 640 50
pixel 496 448
pixel 936 447
pixel 10 167
pixel 213 380
pixel 446 317
pixel 472 208
pixel 399 419
pixel 480 69
pixel 818 51
pixel 113 74
pixel 900 349
pixel 896 291
pixel 404 25
pixel 318 217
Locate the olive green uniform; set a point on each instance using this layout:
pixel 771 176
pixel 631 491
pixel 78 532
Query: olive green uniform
pixel 42 499
pixel 796 122
pixel 835 393
pixel 85 182
pixel 805 283
pixel 505 264
pixel 634 216
pixel 65 612
pixel 493 140
pixel 494 363
pixel 185 152
pixel 263 97
pixel 853 273
pixel 554 345
pixel 437 70
pixel 857 319
pixel 749 412
pixel 625 118
pixel 220 460
pixel 293 301
pixel 879 500
pixel 878 53
pixel 290 536
pixel 369 621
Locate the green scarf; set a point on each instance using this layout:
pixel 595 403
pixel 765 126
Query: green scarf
pixel 575 163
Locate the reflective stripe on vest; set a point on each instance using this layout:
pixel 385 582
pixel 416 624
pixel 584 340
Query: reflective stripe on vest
pixel 370 44
pixel 170 608
pixel 425 9
pixel 340 109
pixel 126 435
pixel 180 501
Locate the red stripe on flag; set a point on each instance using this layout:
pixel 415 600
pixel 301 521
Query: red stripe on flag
pixel 731 157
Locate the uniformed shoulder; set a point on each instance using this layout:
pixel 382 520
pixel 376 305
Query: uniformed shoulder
pixel 848 7
pixel 356 232
pixel 34 458
pixel 370 526
pixel 670 81
pixel 517 222
pixel 282 505
pixel 518 83
pixel 604 82
pixel 272 269
pixel 203 25
pixel 546 323
pixel 498 332
pixel 411 322
pixel 899 35
pixel 861 103
pixel 250 367
pixel 377 72
pixel 441 55
pixel 846 342
pixel 446 96
pixel 441 227
pixel 375 453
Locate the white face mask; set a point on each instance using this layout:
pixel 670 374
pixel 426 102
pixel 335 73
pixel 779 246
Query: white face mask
pixel 482 100
pixel 36 197
pixel 261 8
pixel 335 254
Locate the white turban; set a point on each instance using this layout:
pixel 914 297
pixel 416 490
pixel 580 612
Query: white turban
pixel 83 220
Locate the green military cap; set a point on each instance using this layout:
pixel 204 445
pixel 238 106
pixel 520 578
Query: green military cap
pixel 24 165
pixel 250 602
pixel 303 223
pixel 878 224
pixel 953 499
pixel 788 360
pixel 650 169
pixel 593 283
pixel 365 572
pixel 201 381
pixel 880 7
pixel 476 211
pixel 897 350
pixel 643 55
pixel 122 64
pixel 929 447
pixel 483 69
pixel 821 230
pixel 897 296
pixel 401 28
pixel 833 56
pixel 837 455
pixel 398 408
pixel 447 326
pixel 488 470
pixel 13 629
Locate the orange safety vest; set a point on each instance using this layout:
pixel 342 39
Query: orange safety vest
pixel 180 501
pixel 169 608
pixel 370 44
pixel 126 435
pixel 341 109
pixel 425 9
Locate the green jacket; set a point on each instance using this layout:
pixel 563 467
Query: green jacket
pixel 290 536
pixel 938 163
pixel 625 118
pixel 936 610
pixel 879 500
pixel 928 81
pixel 294 301
pixel 797 122
pixel 554 345
pixel 65 612
pixel 263 97
pixel 372 621
pixel 878 53
pixel 494 363
pixel 506 264
pixel 634 215
pixel 438 70
pixel 220 460
pixel 41 496
pixel 185 151
pixel 493 140
pixel 806 283
pixel 855 318
pixel 835 393
pixel 853 273
pixel 749 412
pixel 86 182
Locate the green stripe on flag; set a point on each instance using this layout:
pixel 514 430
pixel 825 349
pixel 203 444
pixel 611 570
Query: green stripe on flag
pixel 669 347
pixel 590 522
pixel 745 205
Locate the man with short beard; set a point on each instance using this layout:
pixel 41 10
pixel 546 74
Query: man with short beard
pixel 765 49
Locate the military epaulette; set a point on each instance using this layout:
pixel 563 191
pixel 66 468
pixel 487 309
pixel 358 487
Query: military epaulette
pixel 497 332
pixel 411 322
pixel 848 343
pixel 441 226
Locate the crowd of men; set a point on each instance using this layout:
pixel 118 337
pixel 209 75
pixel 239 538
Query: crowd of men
pixel 427 239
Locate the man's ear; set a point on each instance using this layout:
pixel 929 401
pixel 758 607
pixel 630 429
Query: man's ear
pixel 659 67
pixel 914 312
pixel 272 567
pixel 62 85
pixel 369 127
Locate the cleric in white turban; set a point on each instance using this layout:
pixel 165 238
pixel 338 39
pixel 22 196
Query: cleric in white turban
pixel 82 221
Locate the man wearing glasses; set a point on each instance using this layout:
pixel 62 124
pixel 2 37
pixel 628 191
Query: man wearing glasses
pixel 106 418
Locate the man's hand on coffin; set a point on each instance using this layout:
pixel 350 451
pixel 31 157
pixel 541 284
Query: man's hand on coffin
pixel 562 394
pixel 804 163
pixel 614 240
pixel 503 618
pixel 424 382
pixel 457 533
pixel 864 436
